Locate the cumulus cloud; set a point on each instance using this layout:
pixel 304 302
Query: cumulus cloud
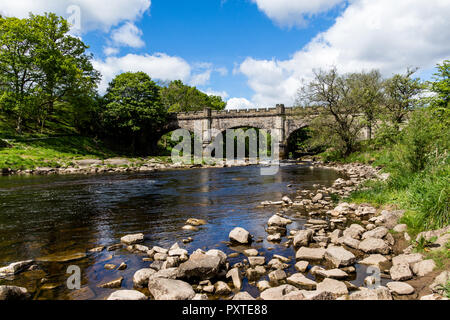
pixel 383 34
pixel 203 73
pixel 239 103
pixel 98 14
pixel 223 94
pixel 110 51
pixel 158 66
pixel 293 12
pixel 128 35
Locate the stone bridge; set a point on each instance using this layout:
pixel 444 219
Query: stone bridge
pixel 280 121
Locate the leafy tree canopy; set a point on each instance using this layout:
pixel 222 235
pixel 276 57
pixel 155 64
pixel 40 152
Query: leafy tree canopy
pixel 178 97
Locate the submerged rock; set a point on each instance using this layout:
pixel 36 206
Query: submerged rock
pixel 13 293
pixel 16 267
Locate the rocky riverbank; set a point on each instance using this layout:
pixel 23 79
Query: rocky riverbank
pixel 336 238
pixel 115 165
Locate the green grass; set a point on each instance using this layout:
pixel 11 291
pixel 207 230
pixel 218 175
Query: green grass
pixel 51 152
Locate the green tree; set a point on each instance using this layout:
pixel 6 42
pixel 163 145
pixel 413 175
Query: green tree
pixel 402 96
pixel 440 86
pixel 41 64
pixel 334 116
pixel 366 94
pixel 178 97
pixel 133 110
pixel 18 71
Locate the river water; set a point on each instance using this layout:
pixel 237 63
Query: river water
pixel 63 215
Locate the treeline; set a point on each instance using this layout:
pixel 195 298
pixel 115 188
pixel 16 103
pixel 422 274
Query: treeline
pixel 49 85
pixel 410 138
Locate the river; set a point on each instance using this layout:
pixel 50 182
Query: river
pixel 41 216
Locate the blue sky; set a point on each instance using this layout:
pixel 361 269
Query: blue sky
pixel 255 53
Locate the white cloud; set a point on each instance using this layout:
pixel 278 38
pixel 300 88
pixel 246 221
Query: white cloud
pixel 204 71
pixel 95 14
pixel 239 103
pixel 223 94
pixel 158 66
pixel 383 34
pixel 110 51
pixel 293 12
pixel 128 35
pixel 201 78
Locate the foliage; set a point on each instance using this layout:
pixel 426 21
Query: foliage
pixel 365 92
pixel 133 109
pixel 336 123
pixel 402 96
pixel 178 97
pixel 40 65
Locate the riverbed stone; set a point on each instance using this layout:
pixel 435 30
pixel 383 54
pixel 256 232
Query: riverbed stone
pixel 439 282
pixel 400 288
pixel 243 296
pixel 354 231
pixel 277 264
pixel 401 272
pixel 351 242
pixel 302 238
pixel 263 285
pixel 302 266
pixel 16 267
pixel 300 281
pixel 378 233
pixel 278 221
pixel 407 258
pixel 63 257
pixel 274 237
pixel 374 245
pixel 218 253
pixel 221 288
pixel 337 288
pixel 127 295
pixel 374 260
pixel 256 261
pixel 200 297
pixel 251 252
pixel 338 256
pixel 277 276
pixel 169 289
pixel 433 296
pixel 380 293
pixel 196 222
pixel 255 273
pixel 424 267
pixel 305 253
pixel 278 293
pixel 133 238
pixel 200 266
pixel 142 276
pixel 240 235
pixel 318 295
pixel 117 283
pixel 333 273
pixel 13 293
pixel 236 277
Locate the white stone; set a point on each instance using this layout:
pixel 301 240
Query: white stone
pixel 127 295
pixel 240 235
pixel 333 286
pixel 133 238
pixel 423 268
pixel 305 253
pixel 401 272
pixel 400 288
pixel 374 245
pixel 141 277
pixel 299 280
pixel 168 289
pixel 338 256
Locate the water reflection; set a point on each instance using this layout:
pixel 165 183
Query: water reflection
pixel 55 214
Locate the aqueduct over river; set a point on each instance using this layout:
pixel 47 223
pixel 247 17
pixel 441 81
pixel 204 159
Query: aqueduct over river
pixel 283 121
